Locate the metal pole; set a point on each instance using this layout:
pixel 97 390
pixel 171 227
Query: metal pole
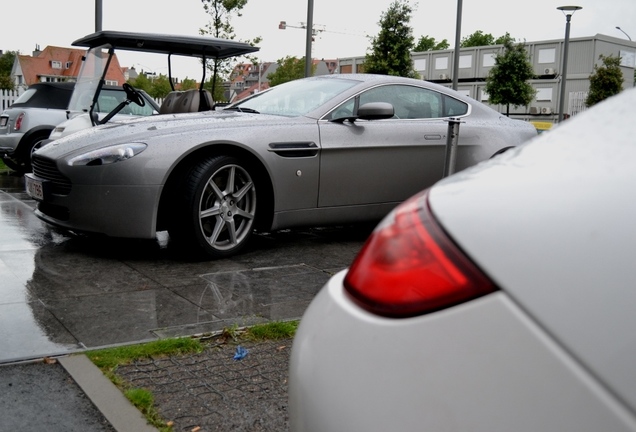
pixel 98 15
pixel 458 35
pixel 452 138
pixel 310 31
pixel 564 69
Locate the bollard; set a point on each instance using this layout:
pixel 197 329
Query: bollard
pixel 451 146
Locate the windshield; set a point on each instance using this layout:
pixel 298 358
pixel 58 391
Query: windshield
pixel 294 98
pixel 88 80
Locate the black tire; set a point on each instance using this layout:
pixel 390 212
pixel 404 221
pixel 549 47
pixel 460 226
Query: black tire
pixel 216 211
pixel 14 166
pixel 26 151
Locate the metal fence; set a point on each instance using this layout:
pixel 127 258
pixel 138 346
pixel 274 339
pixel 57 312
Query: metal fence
pixel 576 102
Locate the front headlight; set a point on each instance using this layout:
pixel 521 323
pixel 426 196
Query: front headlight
pixel 108 155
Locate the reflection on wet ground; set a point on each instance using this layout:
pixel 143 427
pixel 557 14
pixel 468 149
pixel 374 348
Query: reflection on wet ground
pixel 62 293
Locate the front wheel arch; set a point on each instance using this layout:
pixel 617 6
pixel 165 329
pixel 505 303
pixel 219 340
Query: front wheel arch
pixel 174 185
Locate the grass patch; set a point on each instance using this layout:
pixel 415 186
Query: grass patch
pixel 272 331
pixel 144 401
pixel 3 167
pixel 109 359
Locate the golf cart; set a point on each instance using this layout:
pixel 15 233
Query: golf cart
pixel 82 112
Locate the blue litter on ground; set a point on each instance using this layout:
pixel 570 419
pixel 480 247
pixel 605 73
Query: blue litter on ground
pixel 240 353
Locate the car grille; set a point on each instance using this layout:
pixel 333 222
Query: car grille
pixel 46 169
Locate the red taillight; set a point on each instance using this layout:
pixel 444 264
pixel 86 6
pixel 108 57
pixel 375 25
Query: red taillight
pixel 409 266
pixel 18 122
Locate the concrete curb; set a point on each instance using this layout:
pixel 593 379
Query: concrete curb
pixel 108 399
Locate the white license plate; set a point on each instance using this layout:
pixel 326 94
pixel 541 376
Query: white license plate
pixel 34 188
pixel 4 121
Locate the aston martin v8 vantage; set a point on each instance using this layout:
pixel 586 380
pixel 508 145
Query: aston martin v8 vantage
pixel 324 150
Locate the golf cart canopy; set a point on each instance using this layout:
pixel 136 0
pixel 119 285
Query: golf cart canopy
pixel 195 46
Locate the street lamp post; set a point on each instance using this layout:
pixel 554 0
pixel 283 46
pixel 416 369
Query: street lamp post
pixel 623 31
pixel 98 15
pixel 458 35
pixel 568 11
pixel 310 28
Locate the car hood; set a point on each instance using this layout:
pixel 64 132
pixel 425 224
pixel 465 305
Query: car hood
pixel 194 127
pixel 552 223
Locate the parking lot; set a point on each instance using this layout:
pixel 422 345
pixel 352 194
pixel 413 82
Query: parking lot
pixel 61 293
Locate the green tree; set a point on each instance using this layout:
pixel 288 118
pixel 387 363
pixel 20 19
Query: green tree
pixel 605 81
pixel 289 69
pixel 216 89
pixel 502 39
pixel 479 38
pixel 160 87
pixel 391 48
pixel 6 64
pixel 507 82
pixel 141 82
pixel 426 43
pixel 188 84
pixel 222 12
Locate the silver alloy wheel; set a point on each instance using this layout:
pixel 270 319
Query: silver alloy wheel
pixel 227 207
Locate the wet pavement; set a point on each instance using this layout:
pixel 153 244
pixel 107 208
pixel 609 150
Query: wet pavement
pixel 61 294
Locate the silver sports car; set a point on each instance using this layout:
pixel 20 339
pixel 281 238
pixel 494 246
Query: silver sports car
pixel 317 151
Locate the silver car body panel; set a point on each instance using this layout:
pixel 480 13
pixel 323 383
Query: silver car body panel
pixel 317 175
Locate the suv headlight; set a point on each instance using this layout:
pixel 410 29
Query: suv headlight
pixel 108 155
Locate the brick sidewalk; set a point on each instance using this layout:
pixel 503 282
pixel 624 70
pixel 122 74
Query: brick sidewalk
pixel 211 391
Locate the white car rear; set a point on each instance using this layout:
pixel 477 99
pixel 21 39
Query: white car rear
pixel 502 299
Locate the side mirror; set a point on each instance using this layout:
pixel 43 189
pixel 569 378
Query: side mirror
pixel 376 111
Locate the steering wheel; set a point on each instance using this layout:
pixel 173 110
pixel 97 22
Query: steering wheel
pixel 133 95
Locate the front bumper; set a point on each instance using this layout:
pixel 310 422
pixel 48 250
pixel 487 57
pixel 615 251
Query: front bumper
pixel 9 143
pixel 479 366
pixel 117 211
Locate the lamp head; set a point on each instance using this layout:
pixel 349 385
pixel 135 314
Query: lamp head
pixel 569 9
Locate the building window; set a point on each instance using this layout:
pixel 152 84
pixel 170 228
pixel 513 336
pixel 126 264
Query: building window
pixel 488 60
pixel 547 55
pixel 56 64
pixel 441 63
pixel 465 61
pixel 111 82
pixel 483 95
pixel 544 94
pixel 628 58
pixel 420 64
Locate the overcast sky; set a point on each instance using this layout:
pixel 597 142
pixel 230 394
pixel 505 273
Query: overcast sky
pixel 28 23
